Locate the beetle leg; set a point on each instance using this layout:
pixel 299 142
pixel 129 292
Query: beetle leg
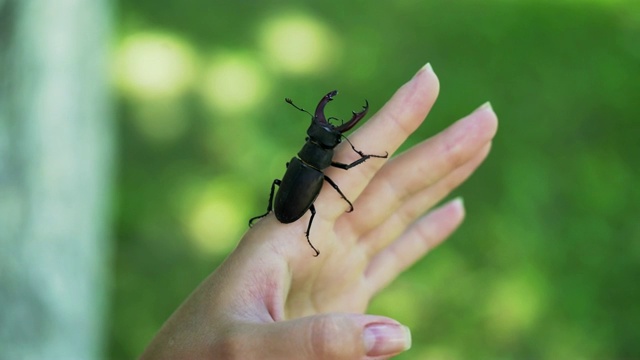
pixel 335 186
pixel 269 205
pixel 357 162
pixel 363 157
pixel 313 214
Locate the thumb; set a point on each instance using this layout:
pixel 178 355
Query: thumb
pixel 331 336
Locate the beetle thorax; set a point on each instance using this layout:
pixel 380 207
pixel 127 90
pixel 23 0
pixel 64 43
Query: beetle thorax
pixel 325 136
pixel 315 155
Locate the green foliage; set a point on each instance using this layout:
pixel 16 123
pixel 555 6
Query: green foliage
pixel 547 261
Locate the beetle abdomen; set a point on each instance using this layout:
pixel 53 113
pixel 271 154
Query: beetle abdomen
pixel 298 190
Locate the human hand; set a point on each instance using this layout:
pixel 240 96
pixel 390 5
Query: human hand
pixel 271 299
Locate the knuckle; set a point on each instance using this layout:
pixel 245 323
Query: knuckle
pixel 229 346
pixel 453 153
pixel 328 340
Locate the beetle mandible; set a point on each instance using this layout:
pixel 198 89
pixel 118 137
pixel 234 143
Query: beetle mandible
pixel 303 179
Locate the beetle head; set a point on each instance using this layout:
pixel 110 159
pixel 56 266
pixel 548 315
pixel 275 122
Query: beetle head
pixel 323 132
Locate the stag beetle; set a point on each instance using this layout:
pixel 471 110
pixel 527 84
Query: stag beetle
pixel 303 179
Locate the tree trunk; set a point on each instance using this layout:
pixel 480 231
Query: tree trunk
pixel 55 176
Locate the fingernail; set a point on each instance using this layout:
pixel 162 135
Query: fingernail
pixel 426 67
pixel 459 201
pixel 386 339
pixel 486 105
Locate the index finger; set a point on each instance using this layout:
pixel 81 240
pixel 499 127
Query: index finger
pixel 384 132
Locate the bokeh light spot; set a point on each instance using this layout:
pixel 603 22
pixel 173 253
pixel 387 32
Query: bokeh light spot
pixel 154 66
pixel 215 219
pixel 299 44
pixel 211 222
pixel 233 82
pixel 515 304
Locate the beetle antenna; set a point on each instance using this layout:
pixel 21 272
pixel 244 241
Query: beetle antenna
pixel 288 100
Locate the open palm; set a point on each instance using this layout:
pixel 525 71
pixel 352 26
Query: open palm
pixel 272 299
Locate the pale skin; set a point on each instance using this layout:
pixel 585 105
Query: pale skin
pixel 271 299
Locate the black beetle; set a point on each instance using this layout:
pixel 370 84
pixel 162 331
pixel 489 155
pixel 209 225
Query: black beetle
pixel 303 179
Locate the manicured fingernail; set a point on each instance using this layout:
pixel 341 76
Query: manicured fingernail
pixel 426 67
pixel 386 339
pixel 486 105
pixel 459 201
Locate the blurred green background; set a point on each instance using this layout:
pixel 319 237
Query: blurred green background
pixel 546 265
